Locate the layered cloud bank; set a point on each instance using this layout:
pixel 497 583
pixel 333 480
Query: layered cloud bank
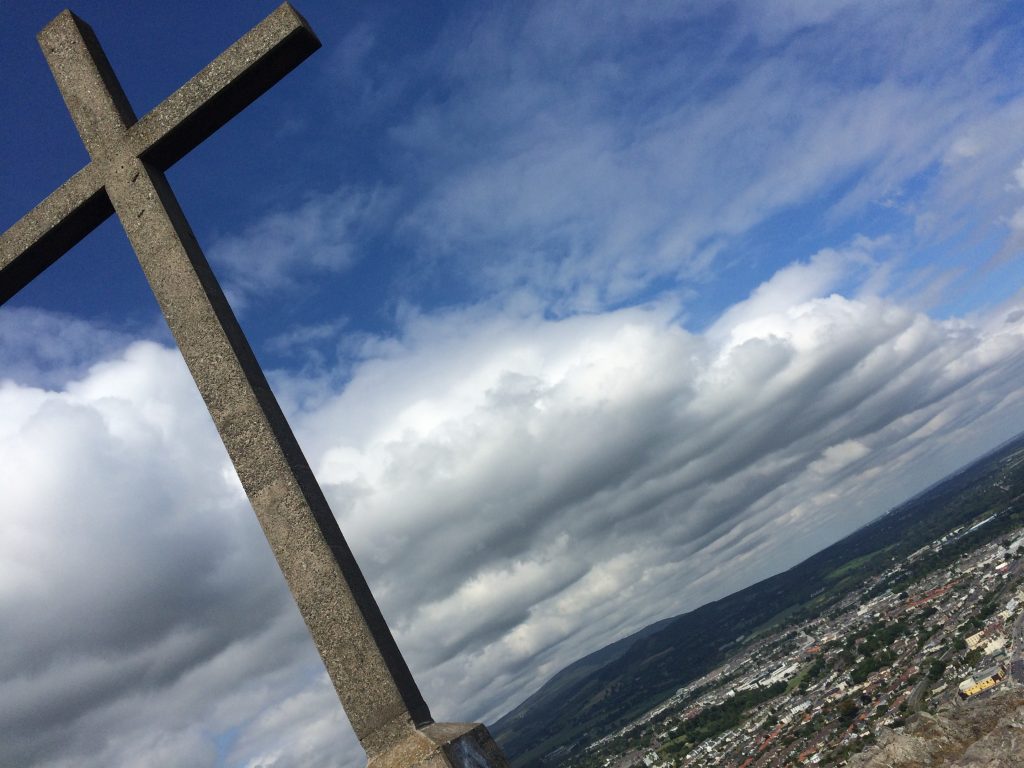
pixel 519 490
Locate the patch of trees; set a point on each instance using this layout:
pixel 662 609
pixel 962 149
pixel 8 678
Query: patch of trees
pixel 720 718
pixel 871 664
pixel 936 670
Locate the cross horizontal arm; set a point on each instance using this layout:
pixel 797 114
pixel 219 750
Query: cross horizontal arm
pixel 221 90
pixel 231 82
pixel 51 229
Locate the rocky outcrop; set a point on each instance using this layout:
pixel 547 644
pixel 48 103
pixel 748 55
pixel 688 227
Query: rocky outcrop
pixel 985 733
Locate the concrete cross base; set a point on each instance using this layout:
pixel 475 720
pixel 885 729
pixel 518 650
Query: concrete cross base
pixel 444 745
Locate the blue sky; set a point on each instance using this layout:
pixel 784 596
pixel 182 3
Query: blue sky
pixel 584 314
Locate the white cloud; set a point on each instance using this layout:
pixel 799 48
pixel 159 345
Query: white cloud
pixel 791 287
pixel 640 162
pixel 519 490
pixel 143 609
pixel 304 729
pixel 1017 222
pixel 283 249
pixel 560 468
pixel 44 348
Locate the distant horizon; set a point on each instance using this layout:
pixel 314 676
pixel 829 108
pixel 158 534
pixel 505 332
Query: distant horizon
pixel 970 463
pixel 963 468
pixel 582 315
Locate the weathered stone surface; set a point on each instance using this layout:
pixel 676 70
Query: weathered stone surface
pixel 50 230
pixel 125 176
pixel 443 745
pixel 982 733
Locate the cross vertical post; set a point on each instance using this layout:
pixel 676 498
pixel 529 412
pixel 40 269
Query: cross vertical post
pixel 126 176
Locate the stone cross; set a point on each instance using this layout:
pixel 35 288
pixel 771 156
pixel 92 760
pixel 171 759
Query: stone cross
pixel 125 175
